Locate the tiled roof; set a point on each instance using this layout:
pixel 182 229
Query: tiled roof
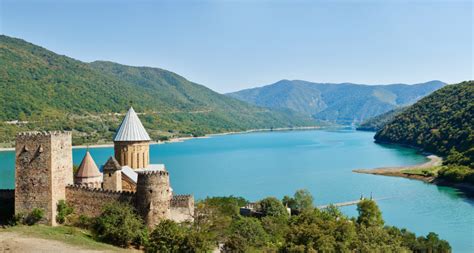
pixel 133 175
pixel 111 165
pixel 88 168
pixel 131 129
pixel 130 173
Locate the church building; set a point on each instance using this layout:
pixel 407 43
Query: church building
pixel 131 155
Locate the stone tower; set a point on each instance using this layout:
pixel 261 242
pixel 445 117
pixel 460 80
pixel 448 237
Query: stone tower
pixel 153 196
pixel 132 143
pixel 43 170
pixel 112 175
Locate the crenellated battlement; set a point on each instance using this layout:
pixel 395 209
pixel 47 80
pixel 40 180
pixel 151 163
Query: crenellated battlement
pixel 182 208
pixel 43 133
pixel 182 200
pixel 145 172
pixel 98 190
pixel 91 201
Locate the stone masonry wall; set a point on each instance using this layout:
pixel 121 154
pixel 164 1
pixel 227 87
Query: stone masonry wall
pixel 40 181
pixel 61 168
pixel 134 154
pixel 153 196
pixel 182 208
pixel 91 201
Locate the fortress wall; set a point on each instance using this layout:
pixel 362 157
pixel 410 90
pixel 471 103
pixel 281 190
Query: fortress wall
pixel 153 196
pixel 43 167
pixel 91 201
pixel 182 208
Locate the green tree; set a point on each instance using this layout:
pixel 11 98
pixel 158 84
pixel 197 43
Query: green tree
pixel 272 207
pixel 455 157
pixel 119 225
pixel 276 227
pixel 215 214
pixel 251 230
pixel 236 244
pixel 303 199
pixel 289 202
pixel 369 213
pixel 168 236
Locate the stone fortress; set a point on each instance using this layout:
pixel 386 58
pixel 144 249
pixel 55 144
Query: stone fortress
pixel 44 176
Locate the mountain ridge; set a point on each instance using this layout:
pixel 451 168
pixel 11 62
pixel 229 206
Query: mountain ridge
pixel 339 102
pixel 51 91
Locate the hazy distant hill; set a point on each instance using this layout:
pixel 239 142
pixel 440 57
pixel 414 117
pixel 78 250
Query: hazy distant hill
pixel 378 122
pixel 343 103
pixel 442 123
pixel 51 91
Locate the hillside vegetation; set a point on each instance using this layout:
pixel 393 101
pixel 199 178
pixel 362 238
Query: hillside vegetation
pixel 441 123
pixel 44 91
pixel 342 103
pixel 378 122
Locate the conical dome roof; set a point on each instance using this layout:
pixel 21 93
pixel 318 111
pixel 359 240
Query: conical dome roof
pixel 131 128
pixel 88 168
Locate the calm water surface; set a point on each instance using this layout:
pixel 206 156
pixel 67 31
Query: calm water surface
pixel 278 163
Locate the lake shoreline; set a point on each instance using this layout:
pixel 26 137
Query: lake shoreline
pixel 182 139
pixel 433 162
pixel 398 171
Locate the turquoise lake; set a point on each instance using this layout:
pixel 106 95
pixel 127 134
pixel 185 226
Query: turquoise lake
pixel 264 164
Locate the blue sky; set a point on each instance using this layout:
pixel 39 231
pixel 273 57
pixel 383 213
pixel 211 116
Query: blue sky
pixel 231 45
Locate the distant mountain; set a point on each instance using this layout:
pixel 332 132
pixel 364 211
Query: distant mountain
pixel 441 123
pixel 378 122
pixel 342 103
pixel 45 91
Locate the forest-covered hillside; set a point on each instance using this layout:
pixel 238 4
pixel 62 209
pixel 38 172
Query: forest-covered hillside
pixel 44 91
pixel 441 123
pixel 378 122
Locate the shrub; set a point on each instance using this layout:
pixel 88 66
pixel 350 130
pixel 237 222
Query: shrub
pixel 235 243
pixel 18 219
pixel 169 236
pixel 119 225
pixel 34 216
pixel 64 210
pixel 82 221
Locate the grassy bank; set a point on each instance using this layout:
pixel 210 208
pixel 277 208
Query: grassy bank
pixel 69 235
pixel 433 171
